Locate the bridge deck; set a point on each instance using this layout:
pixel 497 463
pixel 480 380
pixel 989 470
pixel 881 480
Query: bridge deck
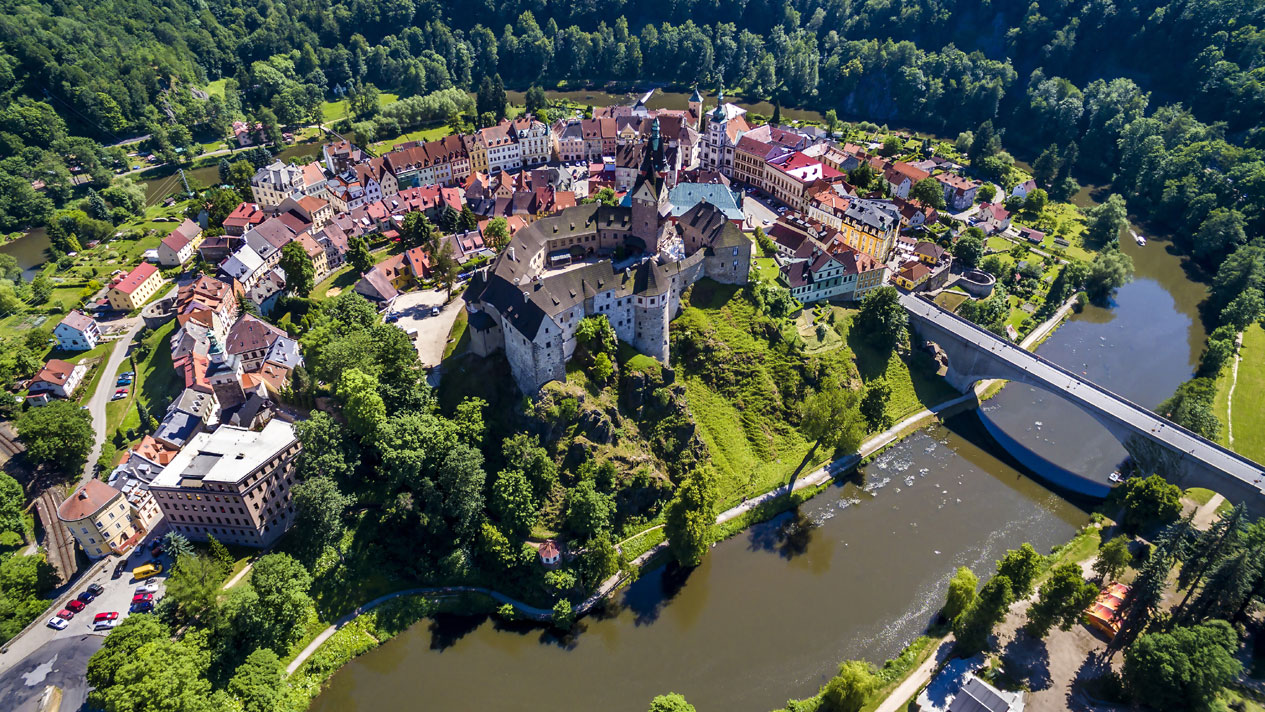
pixel 1076 388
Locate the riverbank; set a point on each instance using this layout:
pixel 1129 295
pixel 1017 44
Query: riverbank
pixel 343 637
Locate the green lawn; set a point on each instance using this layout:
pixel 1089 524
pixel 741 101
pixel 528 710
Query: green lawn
pixel 766 269
pixel 100 355
pixel 156 383
pixel 1248 416
pixel 332 111
pixel 427 134
pixel 458 338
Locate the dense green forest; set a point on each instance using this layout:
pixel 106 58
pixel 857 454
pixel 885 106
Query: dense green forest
pixel 1161 97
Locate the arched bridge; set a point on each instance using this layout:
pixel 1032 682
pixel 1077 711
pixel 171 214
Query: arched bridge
pixel 1156 444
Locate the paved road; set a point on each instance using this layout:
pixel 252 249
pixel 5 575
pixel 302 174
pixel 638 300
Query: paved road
pixel 105 390
pixel 62 663
pixel 759 213
pixel 106 387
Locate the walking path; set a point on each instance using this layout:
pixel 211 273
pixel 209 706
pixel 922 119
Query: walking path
pixel 1207 514
pixel 910 686
pixel 1234 380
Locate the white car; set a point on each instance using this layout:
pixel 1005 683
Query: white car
pixel 148 587
pixel 105 625
pixel 58 623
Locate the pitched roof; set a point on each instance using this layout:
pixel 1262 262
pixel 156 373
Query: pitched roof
pixel 86 501
pixel 136 278
pixel 77 320
pixel 250 334
pixel 55 372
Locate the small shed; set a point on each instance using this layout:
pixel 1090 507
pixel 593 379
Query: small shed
pixel 550 554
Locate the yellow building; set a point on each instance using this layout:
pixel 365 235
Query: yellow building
pixel 135 289
pixel 100 518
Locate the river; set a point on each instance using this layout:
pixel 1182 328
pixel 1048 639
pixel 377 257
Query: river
pixel 858 572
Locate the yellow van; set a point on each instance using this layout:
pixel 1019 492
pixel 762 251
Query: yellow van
pixel 141 573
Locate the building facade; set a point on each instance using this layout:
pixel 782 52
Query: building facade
pixel 100 519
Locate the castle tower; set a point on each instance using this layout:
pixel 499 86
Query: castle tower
pixel 695 105
pixel 649 195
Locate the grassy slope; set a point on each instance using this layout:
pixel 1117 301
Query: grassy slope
pixel 752 444
pixel 155 382
pixel 1249 417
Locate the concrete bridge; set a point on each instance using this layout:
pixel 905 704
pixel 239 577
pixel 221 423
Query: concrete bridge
pixel 1156 444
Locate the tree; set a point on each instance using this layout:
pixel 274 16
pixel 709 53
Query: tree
pixel 194 587
pixel 690 516
pixel 1219 234
pixel 299 271
pixel 496 234
pixel 446 268
pixel 525 452
pixel 325 450
pixel 973 627
pixel 1062 600
pixel 468 221
pixel 1021 566
pixel 969 249
pixel 961 593
pixel 1046 168
pixel 1183 668
pixel 848 690
pixel 225 170
pixel 362 405
pixel 1113 558
pixel 563 617
pixel 119 648
pixel 239 174
pixel 596 335
pixel 282 584
pixel 416 230
pixel 163 675
pixel 874 404
pixel 1149 502
pixel 358 255
pixel 862 176
pixel 319 507
pixel 220 554
pixel 767 248
pixel 588 510
pixel 832 418
pixel 984 143
pixel 177 546
pixel 257 682
pixel 1035 202
pixel 535 100
pixel 671 702
pixel 461 479
pixel 59 434
pixel 891 145
pixel 928 191
pixel 513 502
pixel 603 369
pixel 12 502
pixel 776 120
pixel 1244 309
pixel 1191 407
pixel 882 319
pixel 1110 270
pixel 1106 220
pixel 986 193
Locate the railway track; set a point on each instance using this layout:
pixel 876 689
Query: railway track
pixel 9 445
pixel 58 542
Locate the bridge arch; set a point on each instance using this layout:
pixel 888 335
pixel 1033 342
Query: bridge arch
pixel 1157 445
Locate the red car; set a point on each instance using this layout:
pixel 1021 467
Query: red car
pixel 76 605
pixel 107 616
pixel 65 614
pixel 143 598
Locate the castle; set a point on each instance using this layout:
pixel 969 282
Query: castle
pixel 531 312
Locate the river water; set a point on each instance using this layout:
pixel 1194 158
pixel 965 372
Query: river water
pixel 858 572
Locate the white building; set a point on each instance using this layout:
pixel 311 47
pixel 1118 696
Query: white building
pixel 77 332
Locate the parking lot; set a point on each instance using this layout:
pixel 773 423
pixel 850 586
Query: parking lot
pixel 116 597
pixel 759 213
pixel 412 311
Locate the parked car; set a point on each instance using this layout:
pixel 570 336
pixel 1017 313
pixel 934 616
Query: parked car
pixel 65 614
pixel 140 573
pixel 143 607
pixel 125 381
pixel 142 597
pixel 76 605
pixel 434 311
pixel 156 548
pixel 128 373
pixel 58 623
pixel 150 587
pixel 119 568
pixel 96 589
pixel 120 393
pixel 391 318
pixel 106 616
pixel 105 624
pixel 86 596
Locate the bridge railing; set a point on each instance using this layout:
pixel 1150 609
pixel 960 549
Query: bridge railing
pixel 935 308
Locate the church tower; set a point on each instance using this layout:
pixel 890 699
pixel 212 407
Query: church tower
pixel 695 105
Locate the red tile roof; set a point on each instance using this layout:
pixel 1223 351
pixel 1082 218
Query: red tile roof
pixel 136 278
pixel 87 501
